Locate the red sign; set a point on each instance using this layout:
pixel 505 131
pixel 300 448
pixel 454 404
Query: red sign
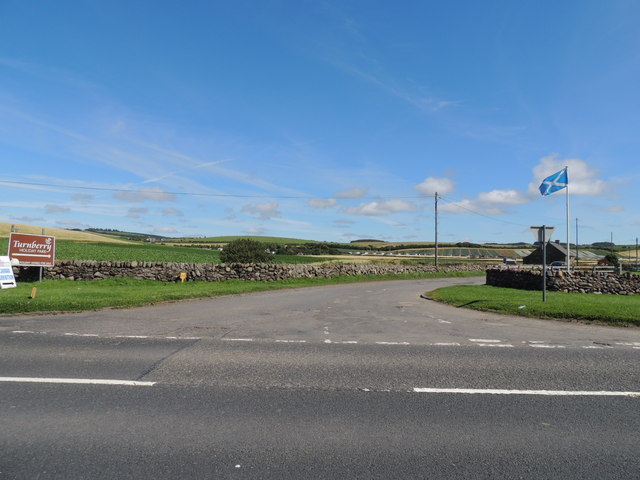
pixel 32 250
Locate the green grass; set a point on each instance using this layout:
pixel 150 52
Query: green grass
pixel 67 295
pixel 609 309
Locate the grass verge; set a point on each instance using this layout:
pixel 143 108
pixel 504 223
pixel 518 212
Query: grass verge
pixel 608 309
pixel 70 296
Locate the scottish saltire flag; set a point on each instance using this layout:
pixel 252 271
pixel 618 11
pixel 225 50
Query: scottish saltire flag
pixel 554 182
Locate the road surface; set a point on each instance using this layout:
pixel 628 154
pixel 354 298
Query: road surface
pixel 351 381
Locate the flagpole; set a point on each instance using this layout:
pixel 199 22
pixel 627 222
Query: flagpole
pixel 568 229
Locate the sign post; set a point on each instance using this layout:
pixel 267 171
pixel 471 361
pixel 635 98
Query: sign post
pixel 541 234
pixel 27 250
pixel 7 280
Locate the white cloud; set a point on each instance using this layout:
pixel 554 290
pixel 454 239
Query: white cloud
pixel 83 198
pixel 612 209
pixel 381 208
pixel 136 212
pixel 165 230
pixel 154 194
pixel 582 179
pixel 264 211
pixel 171 211
pixel 49 208
pixel 352 193
pixel 503 197
pixel 28 219
pixel 431 185
pixel 322 202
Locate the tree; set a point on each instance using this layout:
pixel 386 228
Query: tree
pixel 245 250
pixel 613 258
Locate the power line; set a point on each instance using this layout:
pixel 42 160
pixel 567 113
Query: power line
pixel 193 194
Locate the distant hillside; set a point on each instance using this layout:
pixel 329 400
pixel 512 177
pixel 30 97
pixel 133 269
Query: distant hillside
pixel 59 233
pixel 135 236
pixel 274 240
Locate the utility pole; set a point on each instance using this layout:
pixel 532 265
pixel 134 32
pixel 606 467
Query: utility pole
pixel 436 215
pixel 611 246
pixel 577 247
pixel 544 263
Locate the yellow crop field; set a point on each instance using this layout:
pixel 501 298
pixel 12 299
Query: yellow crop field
pixel 59 233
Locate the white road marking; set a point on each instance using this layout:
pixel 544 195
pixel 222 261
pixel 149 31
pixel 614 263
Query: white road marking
pixel 393 343
pixel 343 342
pixel 291 341
pixel 445 344
pixel 490 391
pixel 629 344
pixel 77 381
pixel 132 336
pixel 546 346
pixel 238 339
pixel 495 345
pixel 22 331
pixel 82 334
pixel 484 340
pixel 443 321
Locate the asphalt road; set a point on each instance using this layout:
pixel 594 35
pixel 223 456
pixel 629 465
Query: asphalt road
pixel 355 381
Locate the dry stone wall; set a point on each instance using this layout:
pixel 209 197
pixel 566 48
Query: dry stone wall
pixel 170 272
pixel 561 281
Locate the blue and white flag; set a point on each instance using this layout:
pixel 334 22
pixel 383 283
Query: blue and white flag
pixel 554 182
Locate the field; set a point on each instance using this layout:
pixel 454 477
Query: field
pixel 147 252
pixel 59 233
pixel 609 309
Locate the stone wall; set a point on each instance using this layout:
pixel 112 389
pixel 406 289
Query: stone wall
pixel 561 281
pixel 170 272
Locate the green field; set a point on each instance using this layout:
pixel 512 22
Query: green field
pixel 148 252
pixel 67 295
pixel 609 309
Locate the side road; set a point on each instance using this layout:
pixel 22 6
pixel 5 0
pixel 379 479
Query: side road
pixel 375 312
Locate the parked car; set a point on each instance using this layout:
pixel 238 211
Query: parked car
pixel 557 265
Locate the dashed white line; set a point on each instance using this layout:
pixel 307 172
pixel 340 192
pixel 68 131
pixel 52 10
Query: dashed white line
pixel 546 346
pixel 393 343
pixel 484 340
pixel 341 342
pixel 291 341
pixel 507 345
pixel 132 336
pixel 446 344
pixel 77 381
pixel 491 391
pixel 82 335
pixel 238 339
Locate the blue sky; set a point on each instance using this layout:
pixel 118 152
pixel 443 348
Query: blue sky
pixel 324 120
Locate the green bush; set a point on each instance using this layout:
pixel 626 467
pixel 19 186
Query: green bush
pixel 245 250
pixel 613 258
